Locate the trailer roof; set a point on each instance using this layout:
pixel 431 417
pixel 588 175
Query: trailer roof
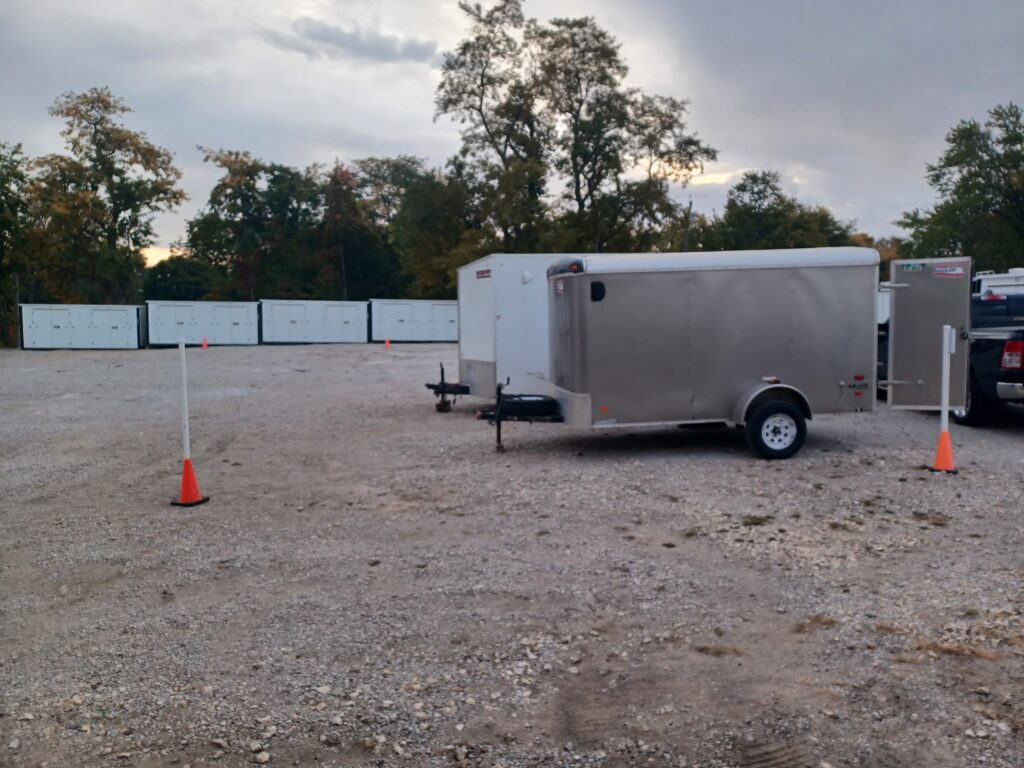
pixel 767 259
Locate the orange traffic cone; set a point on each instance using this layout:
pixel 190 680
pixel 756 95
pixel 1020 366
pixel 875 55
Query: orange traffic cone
pixel 387 343
pixel 944 454
pixel 189 496
pixel 205 345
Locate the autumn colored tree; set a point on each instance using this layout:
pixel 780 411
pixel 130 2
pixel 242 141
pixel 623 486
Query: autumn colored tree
pixel 91 210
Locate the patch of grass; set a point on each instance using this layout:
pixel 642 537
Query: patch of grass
pixel 754 520
pixel 719 651
pixel 957 649
pixel 813 623
pixel 938 519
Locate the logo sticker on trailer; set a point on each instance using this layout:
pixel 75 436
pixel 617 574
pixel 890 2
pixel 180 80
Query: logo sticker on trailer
pixel 559 286
pixel 948 270
pixel 483 273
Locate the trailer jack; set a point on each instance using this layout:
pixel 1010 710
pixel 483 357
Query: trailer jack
pixel 528 408
pixel 445 388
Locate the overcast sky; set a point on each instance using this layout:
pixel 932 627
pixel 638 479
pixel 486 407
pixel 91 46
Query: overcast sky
pixel 848 100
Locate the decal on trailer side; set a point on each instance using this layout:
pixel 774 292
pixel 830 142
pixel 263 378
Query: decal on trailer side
pixel 483 273
pixel 948 270
pixel 559 286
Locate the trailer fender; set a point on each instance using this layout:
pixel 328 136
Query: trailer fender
pixel 762 393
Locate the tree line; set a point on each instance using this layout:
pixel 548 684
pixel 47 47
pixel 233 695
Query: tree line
pixel 558 154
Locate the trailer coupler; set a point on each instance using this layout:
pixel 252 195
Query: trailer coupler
pixel 445 388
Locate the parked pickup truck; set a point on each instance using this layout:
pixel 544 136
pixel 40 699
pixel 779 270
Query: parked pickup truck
pixel 997 353
pixel 997 356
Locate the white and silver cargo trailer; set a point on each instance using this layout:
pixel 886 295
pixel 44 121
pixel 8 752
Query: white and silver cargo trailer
pixel 758 339
pixel 414 320
pixel 82 326
pixel 285 321
pixel 219 322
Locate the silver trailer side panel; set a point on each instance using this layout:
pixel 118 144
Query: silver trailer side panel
pixel 670 345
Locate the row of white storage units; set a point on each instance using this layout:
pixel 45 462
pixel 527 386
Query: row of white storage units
pixel 271 321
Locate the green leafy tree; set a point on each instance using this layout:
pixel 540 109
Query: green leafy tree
pixel 605 135
pixel 92 209
pixel 357 260
pixel 13 204
pixel 758 214
pixel 381 182
pixel 979 180
pixel 258 226
pixel 488 87
pixel 434 234
pixel 279 232
pixel 179 278
pixel 546 104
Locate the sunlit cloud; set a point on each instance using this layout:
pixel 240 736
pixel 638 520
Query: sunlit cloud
pixel 155 254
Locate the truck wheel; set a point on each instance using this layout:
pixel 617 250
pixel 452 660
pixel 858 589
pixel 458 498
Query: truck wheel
pixel 979 408
pixel 776 430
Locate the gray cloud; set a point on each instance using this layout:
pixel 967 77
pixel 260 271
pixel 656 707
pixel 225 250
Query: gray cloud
pixel 316 38
pixel 848 101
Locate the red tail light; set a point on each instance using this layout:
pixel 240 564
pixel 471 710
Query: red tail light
pixel 1013 355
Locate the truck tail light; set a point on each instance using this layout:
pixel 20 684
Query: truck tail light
pixel 1013 355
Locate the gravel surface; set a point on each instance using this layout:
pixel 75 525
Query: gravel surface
pixel 373 585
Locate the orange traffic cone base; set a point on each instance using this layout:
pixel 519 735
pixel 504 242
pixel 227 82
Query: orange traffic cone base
pixel 944 455
pixel 189 496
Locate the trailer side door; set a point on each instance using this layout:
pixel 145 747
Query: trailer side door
pixel 926 295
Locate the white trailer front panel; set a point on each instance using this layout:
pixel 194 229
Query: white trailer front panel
pixel 414 320
pixel 219 322
pixel 313 322
pixel 503 329
pixel 81 326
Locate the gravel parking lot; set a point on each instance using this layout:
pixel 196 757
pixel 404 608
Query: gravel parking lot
pixel 372 584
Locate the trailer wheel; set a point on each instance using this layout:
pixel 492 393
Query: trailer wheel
pixel 776 430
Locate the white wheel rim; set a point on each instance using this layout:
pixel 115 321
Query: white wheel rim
pixel 779 431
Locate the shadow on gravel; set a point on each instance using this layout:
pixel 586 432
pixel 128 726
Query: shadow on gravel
pixel 695 442
pixel 1007 420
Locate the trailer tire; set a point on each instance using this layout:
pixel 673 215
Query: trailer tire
pixel 528 406
pixel 776 430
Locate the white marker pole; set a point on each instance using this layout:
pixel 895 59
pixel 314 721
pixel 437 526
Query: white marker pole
pixel 189 496
pixel 948 348
pixel 184 402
